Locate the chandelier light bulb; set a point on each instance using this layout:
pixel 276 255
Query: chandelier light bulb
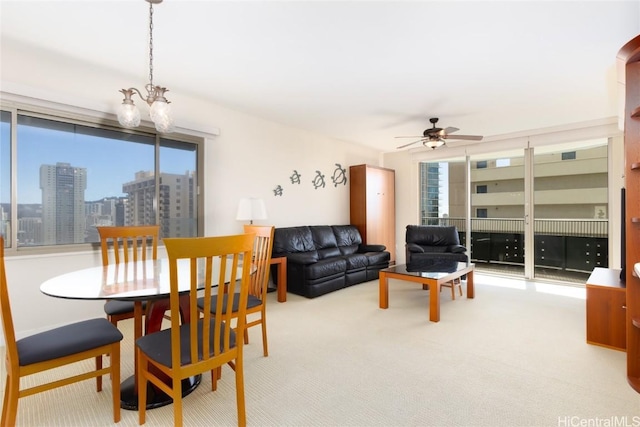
pixel 160 113
pixel 129 115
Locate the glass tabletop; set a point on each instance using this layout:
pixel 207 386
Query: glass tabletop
pixel 431 269
pixel 135 280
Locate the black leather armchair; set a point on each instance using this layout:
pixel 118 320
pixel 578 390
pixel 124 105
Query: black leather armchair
pixel 433 242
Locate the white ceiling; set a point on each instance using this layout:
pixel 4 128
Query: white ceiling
pixel 355 70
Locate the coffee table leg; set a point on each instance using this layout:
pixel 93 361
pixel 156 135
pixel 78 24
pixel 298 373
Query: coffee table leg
pixel 434 302
pixel 470 289
pixel 384 290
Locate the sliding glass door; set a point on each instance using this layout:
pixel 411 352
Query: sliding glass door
pixel 571 212
pixel 533 212
pixel 498 211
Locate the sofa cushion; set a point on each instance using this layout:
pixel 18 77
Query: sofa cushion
pixel 356 261
pixel 325 268
pixel 303 258
pixel 347 235
pixel 292 239
pixel 325 241
pixel 348 238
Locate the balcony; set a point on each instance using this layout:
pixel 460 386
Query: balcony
pixel 565 249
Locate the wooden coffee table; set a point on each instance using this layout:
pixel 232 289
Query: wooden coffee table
pixel 430 276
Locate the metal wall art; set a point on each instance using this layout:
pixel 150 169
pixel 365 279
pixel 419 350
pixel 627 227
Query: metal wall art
pixel 295 177
pixel 318 180
pixel 339 177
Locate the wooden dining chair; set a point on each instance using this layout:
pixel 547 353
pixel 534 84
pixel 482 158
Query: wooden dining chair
pixel 52 349
pixel 257 300
pixel 130 244
pixel 205 343
pixel 455 283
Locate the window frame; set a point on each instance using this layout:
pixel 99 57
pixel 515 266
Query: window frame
pixel 93 119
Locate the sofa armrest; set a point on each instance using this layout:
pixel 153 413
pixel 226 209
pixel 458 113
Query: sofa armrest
pixel 457 249
pixel 413 247
pixel 371 248
pixel 302 258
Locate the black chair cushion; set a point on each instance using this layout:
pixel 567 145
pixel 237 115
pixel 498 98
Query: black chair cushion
pixel 113 307
pixel 432 235
pixel 158 344
pixel 252 301
pixel 66 340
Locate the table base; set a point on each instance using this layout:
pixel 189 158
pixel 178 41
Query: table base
pixel 433 284
pixel 155 398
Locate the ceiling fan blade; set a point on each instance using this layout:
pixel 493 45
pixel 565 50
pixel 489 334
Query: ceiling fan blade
pixel 448 130
pixel 465 137
pixel 411 143
pixel 415 136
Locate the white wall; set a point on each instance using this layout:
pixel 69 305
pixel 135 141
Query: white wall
pixel 250 157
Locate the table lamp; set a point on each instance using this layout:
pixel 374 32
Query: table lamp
pixel 251 208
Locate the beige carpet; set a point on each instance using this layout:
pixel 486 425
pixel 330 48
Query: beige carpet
pixel 513 356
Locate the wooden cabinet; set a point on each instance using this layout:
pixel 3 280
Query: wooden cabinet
pixel 606 309
pixel 629 69
pixel 373 205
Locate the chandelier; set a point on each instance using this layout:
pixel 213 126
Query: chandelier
pixel 159 111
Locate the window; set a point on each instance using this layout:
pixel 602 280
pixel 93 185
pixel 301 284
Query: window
pixel 481 213
pixel 482 164
pixel 5 175
pixel 570 155
pixel 481 189
pixel 73 175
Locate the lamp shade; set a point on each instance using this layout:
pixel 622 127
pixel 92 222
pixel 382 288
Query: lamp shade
pixel 251 208
pixel 434 143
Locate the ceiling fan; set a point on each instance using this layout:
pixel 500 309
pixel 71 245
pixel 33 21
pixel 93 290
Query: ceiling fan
pixel 435 137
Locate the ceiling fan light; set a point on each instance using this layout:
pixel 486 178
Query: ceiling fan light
pixel 433 143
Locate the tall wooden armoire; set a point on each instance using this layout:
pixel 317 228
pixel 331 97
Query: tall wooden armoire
pixel 373 205
pixel 629 65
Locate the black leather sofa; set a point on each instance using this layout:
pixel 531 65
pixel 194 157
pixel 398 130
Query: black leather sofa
pixel 325 258
pixel 433 242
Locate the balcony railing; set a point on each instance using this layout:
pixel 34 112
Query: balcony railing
pixel 562 247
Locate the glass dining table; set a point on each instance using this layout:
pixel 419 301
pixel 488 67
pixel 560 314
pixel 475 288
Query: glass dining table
pixel 138 282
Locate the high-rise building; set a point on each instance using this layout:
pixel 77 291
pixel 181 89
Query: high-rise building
pixel 176 202
pixel 63 209
pixel 430 193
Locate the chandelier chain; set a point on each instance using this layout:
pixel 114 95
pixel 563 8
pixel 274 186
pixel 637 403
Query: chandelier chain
pixel 159 109
pixel 151 44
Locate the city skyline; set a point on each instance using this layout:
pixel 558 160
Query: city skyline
pixel 110 162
